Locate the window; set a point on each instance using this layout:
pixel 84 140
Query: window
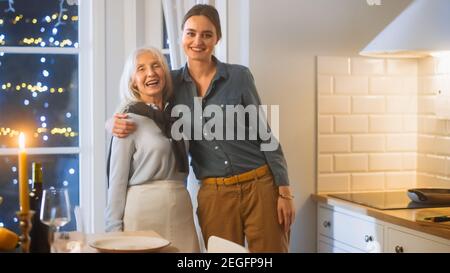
pixel 39 95
pixel 165 41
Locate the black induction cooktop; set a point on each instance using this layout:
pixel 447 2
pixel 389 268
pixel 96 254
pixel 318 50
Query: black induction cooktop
pixel 384 200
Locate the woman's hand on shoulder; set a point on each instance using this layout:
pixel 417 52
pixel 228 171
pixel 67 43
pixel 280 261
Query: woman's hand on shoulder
pixel 123 126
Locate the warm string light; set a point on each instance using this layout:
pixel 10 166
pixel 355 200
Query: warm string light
pixel 59 18
pixel 31 87
pixel 48 19
pixel 9 132
pixel 65 132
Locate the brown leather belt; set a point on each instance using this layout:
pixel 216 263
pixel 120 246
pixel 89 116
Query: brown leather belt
pixel 240 178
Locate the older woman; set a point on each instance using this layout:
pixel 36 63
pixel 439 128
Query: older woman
pixel 148 169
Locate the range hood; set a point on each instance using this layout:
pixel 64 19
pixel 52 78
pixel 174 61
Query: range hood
pixel 421 30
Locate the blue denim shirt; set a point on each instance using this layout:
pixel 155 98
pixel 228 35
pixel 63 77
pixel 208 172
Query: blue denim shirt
pixel 232 85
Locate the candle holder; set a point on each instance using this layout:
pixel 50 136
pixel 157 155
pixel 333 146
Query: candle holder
pixel 25 226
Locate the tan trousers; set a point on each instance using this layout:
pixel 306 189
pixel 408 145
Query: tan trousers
pixel 244 210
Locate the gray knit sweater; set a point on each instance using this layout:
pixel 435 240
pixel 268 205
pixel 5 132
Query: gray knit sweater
pixel 140 158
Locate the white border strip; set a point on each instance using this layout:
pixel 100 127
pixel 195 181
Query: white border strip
pixel 40 151
pixel 39 50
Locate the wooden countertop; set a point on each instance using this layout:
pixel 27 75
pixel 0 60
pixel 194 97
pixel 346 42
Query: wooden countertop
pixel 409 218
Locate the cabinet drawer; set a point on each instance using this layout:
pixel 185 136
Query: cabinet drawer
pixel 327 245
pixel 399 241
pixel 355 232
pixel 327 248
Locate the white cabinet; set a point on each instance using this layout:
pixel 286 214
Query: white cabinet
pixel 343 230
pixel 350 231
pixel 405 242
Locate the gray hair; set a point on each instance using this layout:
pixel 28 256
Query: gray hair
pixel 128 93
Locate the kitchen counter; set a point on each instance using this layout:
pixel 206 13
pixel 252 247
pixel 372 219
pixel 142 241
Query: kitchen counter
pixel 409 218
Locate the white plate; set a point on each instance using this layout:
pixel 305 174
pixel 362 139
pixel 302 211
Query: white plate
pixel 129 244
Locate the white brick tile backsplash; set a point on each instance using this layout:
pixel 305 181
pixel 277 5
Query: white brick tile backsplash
pixel 385 124
pixel 410 86
pixel 325 124
pixel 368 143
pixel 351 124
pixel 409 161
pixel 430 85
pixel 421 158
pixel 442 145
pixel 366 66
pixel 334 144
pixel 400 180
pixel 401 143
pixel 351 163
pixel 333 183
pixel 325 164
pixel 333 65
pixel 385 162
pixel 443 66
pixel 402 67
pixel 385 85
pixel 425 144
pixel 368 105
pixel 351 85
pixel 426 105
pixel 427 180
pixel 432 125
pixel 410 124
pixel 401 104
pixel 432 164
pixel 426 66
pixel 377 128
pixel 334 105
pixel 447 166
pixel 367 181
pixel 325 85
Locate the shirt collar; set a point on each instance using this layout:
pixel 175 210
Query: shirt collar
pixel 221 71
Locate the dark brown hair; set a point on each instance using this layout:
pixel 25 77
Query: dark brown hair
pixel 209 12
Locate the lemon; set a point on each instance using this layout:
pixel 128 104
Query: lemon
pixel 8 239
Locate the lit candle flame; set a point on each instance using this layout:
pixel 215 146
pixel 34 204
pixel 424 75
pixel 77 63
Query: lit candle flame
pixel 21 141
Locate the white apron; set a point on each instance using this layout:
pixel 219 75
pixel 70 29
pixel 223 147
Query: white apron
pixel 164 207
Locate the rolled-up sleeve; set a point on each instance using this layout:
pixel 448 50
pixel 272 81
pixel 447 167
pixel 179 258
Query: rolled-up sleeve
pixel 122 151
pixel 274 157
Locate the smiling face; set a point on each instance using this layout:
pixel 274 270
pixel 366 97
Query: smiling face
pixel 199 38
pixel 149 78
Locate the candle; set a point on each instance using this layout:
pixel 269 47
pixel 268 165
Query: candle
pixel 23 177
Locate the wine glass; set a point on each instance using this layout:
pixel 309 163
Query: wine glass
pixel 55 211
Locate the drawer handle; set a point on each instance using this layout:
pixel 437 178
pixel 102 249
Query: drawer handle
pixel 399 249
pixel 368 238
pixel 326 224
